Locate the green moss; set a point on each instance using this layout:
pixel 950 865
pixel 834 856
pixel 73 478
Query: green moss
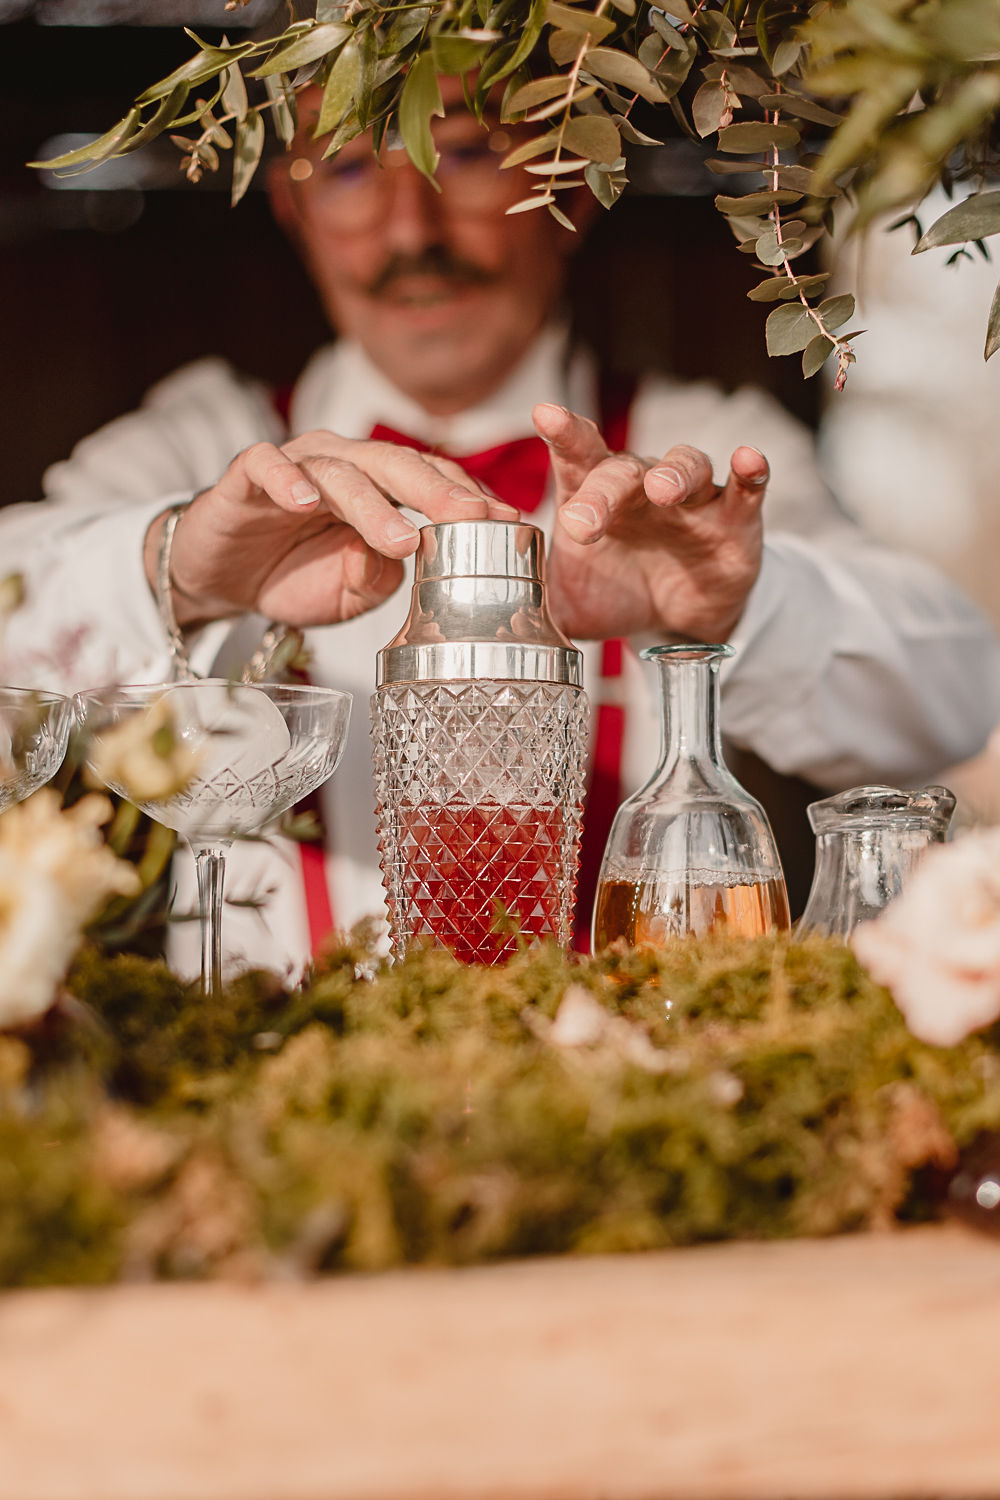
pixel 381 1114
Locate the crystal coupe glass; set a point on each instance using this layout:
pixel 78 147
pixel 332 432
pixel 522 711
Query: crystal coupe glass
pixel 691 852
pixel 250 752
pixel 34 733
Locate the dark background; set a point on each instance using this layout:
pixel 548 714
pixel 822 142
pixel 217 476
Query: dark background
pixel 104 291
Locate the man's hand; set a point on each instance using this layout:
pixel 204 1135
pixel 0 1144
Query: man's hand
pixel 309 533
pixel 642 546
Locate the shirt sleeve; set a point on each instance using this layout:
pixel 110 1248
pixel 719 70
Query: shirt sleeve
pixel 854 662
pixel 89 615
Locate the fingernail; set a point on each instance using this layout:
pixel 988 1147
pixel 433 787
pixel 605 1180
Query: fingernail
pixel 304 494
pixel 560 411
pixel 399 530
pixel 460 493
pixel 670 480
pixel 503 509
pixel 586 515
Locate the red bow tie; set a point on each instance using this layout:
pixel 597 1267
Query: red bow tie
pixel 516 471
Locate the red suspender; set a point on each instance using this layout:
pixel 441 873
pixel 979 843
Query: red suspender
pixel 605 791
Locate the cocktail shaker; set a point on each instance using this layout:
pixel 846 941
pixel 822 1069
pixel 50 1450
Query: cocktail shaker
pixel 479 727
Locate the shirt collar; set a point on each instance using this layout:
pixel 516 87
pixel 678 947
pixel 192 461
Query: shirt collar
pixel 341 389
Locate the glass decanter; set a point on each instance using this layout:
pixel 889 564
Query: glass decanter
pixel 691 852
pixel 479 728
pixel 868 839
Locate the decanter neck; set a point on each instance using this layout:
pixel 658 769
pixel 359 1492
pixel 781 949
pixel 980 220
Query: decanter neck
pixel 689 690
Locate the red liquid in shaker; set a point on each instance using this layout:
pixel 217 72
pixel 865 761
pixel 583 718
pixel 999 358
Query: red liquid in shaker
pixel 467 866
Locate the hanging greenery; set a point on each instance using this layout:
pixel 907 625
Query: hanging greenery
pixel 871 101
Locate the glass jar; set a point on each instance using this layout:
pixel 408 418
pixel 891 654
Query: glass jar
pixel 691 852
pixel 868 839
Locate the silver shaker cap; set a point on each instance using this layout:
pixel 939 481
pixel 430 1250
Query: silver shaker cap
pixel 478 610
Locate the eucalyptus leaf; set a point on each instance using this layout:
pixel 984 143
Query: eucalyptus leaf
pixel 546 111
pixel 633 134
pixel 249 146
pixel 975 218
pixel 538 91
pixel 554 168
pixel 528 150
pixel 736 168
pixel 755 203
pixel 561 218
pixel 579 20
pixel 596 139
pixel 803 109
pixel 786 55
pixel 750 136
pixel 565 47
pixel 807 285
pixel 741 78
pixel 816 354
pixel 606 186
pixel 527 204
pixel 993 327
pixel 340 89
pixel 619 67
pixel 716 29
pixel 835 311
pixel 419 101
pixel 789 329
pixel 315 43
pixel 627 7
pixel 771 289
pixel 707 107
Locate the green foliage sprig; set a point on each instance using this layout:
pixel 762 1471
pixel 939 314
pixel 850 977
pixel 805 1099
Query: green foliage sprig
pixel 911 91
pixel 433 1113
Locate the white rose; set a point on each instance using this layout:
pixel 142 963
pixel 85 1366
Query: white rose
pixel 936 947
pixel 56 873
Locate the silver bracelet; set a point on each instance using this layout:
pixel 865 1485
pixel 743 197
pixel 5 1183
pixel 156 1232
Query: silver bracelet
pixel 278 644
pixel 180 663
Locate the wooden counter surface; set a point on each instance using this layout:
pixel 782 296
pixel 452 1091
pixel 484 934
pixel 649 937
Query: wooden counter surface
pixel 867 1366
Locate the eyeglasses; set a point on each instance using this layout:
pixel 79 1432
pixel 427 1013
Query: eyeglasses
pixel 356 193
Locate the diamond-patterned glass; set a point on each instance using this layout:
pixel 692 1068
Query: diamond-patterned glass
pixel 479 799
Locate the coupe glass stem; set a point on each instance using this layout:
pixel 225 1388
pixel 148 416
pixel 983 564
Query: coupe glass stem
pixel 210 861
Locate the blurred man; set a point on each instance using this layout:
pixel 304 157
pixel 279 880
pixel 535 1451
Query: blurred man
pixel 452 392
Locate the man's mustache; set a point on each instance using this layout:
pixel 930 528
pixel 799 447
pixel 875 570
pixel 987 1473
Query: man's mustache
pixel 436 260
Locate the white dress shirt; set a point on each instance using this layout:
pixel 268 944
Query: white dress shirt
pixel 853 662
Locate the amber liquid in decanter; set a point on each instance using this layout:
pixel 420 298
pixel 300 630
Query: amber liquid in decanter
pixel 655 909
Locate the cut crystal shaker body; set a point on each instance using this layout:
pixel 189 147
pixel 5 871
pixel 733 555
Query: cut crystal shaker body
pixel 479 728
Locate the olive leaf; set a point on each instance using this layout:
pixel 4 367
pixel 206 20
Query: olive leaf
pixel 315 43
pixel 419 101
pixel 234 94
pixel 249 146
pixel 340 90
pixel 96 151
